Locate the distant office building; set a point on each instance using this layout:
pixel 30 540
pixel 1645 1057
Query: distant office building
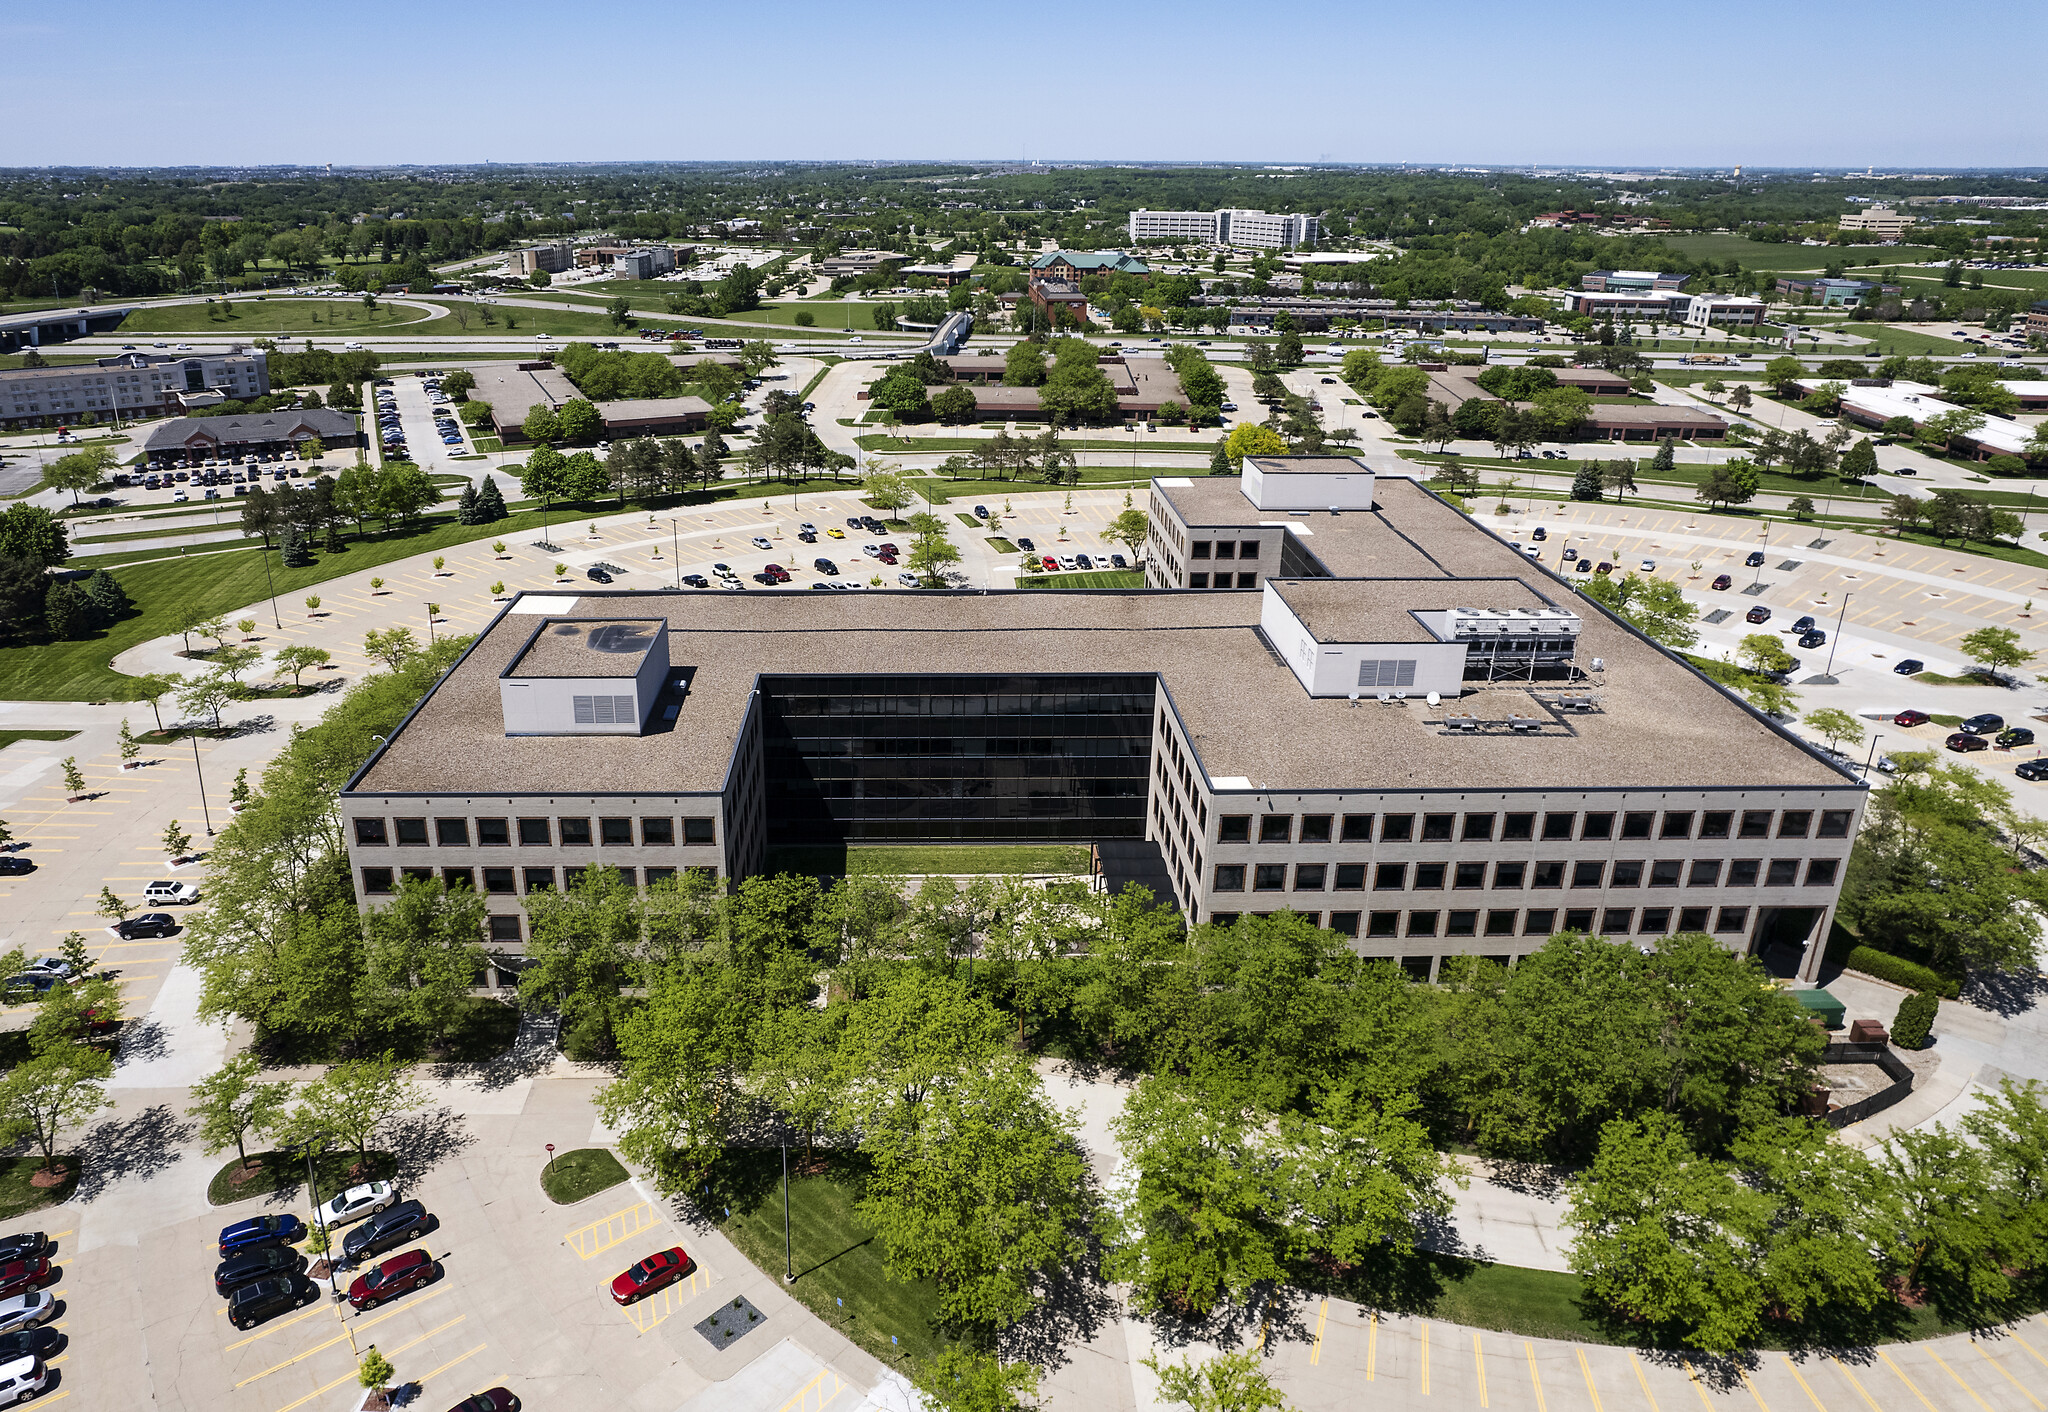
pixel 132 385
pixel 552 259
pixel 1645 304
pixel 2037 319
pixel 945 276
pixel 1075 264
pixel 1834 293
pixel 1728 310
pixel 645 262
pixel 1627 281
pixel 1231 226
pixel 513 391
pixel 1880 221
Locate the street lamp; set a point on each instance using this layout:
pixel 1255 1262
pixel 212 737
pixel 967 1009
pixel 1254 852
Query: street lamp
pixel 204 812
pixel 1828 672
pixel 272 583
pixel 1872 755
pixel 788 1262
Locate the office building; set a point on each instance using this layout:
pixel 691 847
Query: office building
pixel 514 390
pixel 128 385
pixel 553 259
pixel 1630 281
pixel 1075 265
pixel 1605 421
pixel 644 262
pixel 1880 221
pixel 1872 404
pixel 1833 293
pixel 1668 304
pixel 1408 733
pixel 1230 226
pixel 1727 310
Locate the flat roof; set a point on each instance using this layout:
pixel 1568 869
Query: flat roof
pixel 586 647
pixel 1333 610
pixel 1660 725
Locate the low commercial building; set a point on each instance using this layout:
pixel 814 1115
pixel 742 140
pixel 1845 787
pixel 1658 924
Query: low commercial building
pixel 1631 281
pixel 1871 403
pixel 1074 265
pixel 1643 304
pixel 1227 226
pixel 856 262
pixel 1605 421
pixel 551 259
pixel 1142 386
pixel 944 276
pixel 1833 293
pixel 1880 221
pixel 184 441
pixel 644 262
pixel 1314 315
pixel 1409 734
pixel 515 390
pixel 128 385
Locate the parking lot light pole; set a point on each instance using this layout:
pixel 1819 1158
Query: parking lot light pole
pixel 788 1263
pixel 1829 670
pixel 272 583
pixel 1872 755
pixel 204 812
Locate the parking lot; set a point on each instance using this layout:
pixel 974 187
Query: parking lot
pixel 413 407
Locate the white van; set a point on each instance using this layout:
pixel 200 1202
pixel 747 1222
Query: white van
pixel 161 893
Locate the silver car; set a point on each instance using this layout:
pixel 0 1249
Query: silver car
pixel 355 1203
pixel 25 1311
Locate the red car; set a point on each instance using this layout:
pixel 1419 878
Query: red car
pixel 1722 581
pixel 1962 742
pixel 1052 565
pixel 496 1400
pixel 394 1277
pixel 20 1276
pixel 1909 719
pixel 652 1274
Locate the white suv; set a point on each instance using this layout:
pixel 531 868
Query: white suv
pixel 166 892
pixel 22 1379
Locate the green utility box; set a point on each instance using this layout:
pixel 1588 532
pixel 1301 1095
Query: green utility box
pixel 1821 1006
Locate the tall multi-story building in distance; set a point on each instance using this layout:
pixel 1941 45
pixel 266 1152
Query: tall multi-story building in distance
pixel 1231 226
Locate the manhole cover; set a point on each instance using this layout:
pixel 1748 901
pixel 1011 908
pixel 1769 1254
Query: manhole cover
pixel 1788 566
pixel 1756 588
pixel 731 1320
pixel 1719 615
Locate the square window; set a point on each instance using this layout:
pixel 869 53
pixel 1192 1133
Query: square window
pixel 1436 828
pixel 376 881
pixel 1390 877
pixel 1509 874
pixel 1397 828
pixel 1578 919
pixel 1694 919
pixel 1500 923
pixel 1308 877
pixel 1654 921
pixel 616 833
pixel 1539 921
pixel 698 830
pixel 1706 872
pixel 1732 919
pixel 1344 923
pixel 1430 875
pixel 1756 823
pixel 657 833
pixel 1614 921
pixel 540 879
pixel 493 833
pixel 1244 580
pixel 1834 823
pixel 1743 872
pixel 504 926
pixel 1461 924
pixel 1234 828
pixel 575 832
pixel 1517 826
pixel 535 831
pixel 1269 877
pixel 1357 828
pixel 1714 823
pixel 1223 919
pixel 1478 828
pixel 1350 877
pixel 1418 968
pixel 1226 549
pixel 1548 875
pixel 1470 875
pixel 1384 924
pixel 1587 872
pixel 1637 825
pixel 499 880
pixel 1315 828
pixel 1198 580
pixel 452 878
pixel 416 874
pixel 1795 823
pixel 1665 872
pixel 1276 828
pixel 1247 549
pixel 629 876
pixel 659 875
pixel 1677 824
pixel 1784 872
pixel 1628 872
pixel 451 833
pixel 370 833
pixel 1422 924
pixel 1821 872
pixel 1229 877
pixel 1199 549
pixel 1597 826
pixel 1558 825
pixel 412 833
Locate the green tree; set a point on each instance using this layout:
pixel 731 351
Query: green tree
pixel 1129 529
pixel 1228 1382
pixel 1586 482
pixel 351 1102
pixel 1837 728
pixel 1657 606
pixel 1251 439
pixel 42 1097
pixel 231 1103
pixel 375 1370
pixel 1764 652
pixel 74 778
pixel 542 424
pixel 1998 649
pixel 153 687
pixel 421 956
pixel 1782 372
pixel 964 1379
pixel 394 647
pixel 111 906
pixel 886 490
pixel 130 746
pixel 298 659
pixel 580 421
pixel 1733 482
pixel 81 470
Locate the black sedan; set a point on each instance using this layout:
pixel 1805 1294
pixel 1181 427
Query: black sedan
pixel 253 1265
pixel 408 1220
pixel 15 866
pixel 1912 666
pixel 1026 545
pixel 2015 735
pixel 2036 769
pixel 148 924
pixel 28 1245
pixel 29 1343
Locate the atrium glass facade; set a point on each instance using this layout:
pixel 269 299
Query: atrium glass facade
pixel 967 758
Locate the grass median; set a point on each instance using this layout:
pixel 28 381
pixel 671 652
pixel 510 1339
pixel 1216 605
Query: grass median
pixel 572 1176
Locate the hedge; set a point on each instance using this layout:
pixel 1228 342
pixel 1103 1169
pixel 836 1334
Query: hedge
pixel 1915 1019
pixel 1899 971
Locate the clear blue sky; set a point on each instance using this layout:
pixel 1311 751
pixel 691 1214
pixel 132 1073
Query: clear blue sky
pixel 1758 82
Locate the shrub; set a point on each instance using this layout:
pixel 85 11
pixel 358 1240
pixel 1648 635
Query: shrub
pixel 1900 971
pixel 1916 1018
pixel 588 1040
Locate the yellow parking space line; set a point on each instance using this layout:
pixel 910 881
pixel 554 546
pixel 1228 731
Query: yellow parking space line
pixel 1372 1344
pixel 416 1342
pixel 61 1234
pixel 1642 1380
pixel 1586 1369
pixel 621 1226
pixel 1315 1354
pixel 1697 1385
pixel 1425 1360
pixel 1985 1354
pixel 340 1337
pixel 495 1380
pixel 1479 1367
pixel 815 1394
pixel 1929 1349
pixel 54 1397
pixel 1535 1378
pixel 2030 1350
pixel 1800 1378
pixel 319 1392
pixel 1750 1383
pixel 273 1328
pixel 1910 1384
pixel 459 1358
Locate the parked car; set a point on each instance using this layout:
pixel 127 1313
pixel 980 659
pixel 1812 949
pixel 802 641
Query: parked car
pixel 1649 566
pixel 1908 719
pixel 1962 742
pixel 1539 533
pixel 496 1399
pixel 1068 562
pixel 1585 566
pixel 266 1299
pixel 655 1272
pixel 826 567
pixel 148 924
pixel 981 512
pixel 1050 564
pixel 1570 554
pixel 2035 769
pixel 907 580
pixel 2015 735
pixel 1813 637
pixel 1985 723
pixel 393 1277
pixel 1802 623
pixel 22 1379
pixel 1758 614
pixel 25 1342
pixel 1912 666
pixel 1083 561
pixel 760 542
pixel 696 581
pixel 357 1202
pixel 16 867
pixel 408 1220
pixel 1722 581
pixel 25 1311
pixel 28 1245
pixel 1026 545
pixel 597 575
pixel 171 892
pixel 1118 561
pixel 253 1265
pixel 259 1231
pixel 18 1276
pixel 1755 559
pixel 836 533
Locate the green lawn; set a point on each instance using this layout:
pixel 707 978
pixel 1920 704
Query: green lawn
pixel 252 316
pixel 840 1275
pixel 1107 578
pixel 18 1198
pixel 923 859
pixel 1758 255
pixel 284 1171
pixel 8 737
pixel 877 441
pixel 571 1176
